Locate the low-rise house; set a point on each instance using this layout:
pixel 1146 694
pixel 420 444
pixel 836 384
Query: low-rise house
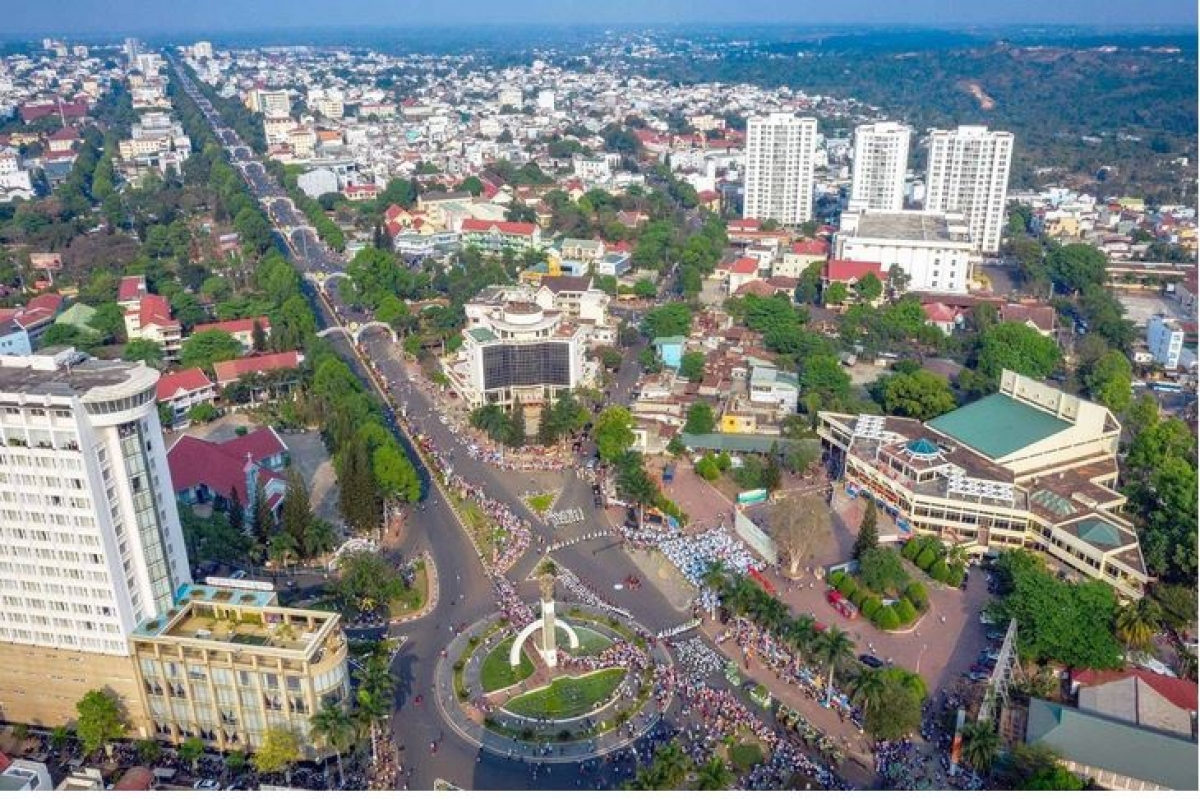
pixel 240 329
pixel 241 469
pixel 496 237
pixel 229 372
pixel 1041 318
pixel 183 391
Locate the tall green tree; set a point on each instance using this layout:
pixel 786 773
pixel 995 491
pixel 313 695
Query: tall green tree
pixel 208 347
pixel 613 432
pixel 868 531
pixel 1012 345
pixel 101 721
pixel 279 751
pixel 296 514
pixel 359 500
pixel 333 727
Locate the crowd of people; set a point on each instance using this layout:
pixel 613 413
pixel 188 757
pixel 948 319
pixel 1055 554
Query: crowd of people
pixel 783 661
pixel 385 770
pixel 514 610
pixel 586 594
pixel 517 533
pixel 691 554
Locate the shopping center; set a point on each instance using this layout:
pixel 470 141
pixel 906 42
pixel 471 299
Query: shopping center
pixel 1029 466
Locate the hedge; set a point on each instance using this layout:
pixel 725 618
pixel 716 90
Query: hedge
pixel 911 548
pixel 871 607
pixel 956 575
pixel 925 560
pixel 887 619
pixel 905 612
pixel 940 572
pixel 837 579
pixel 917 595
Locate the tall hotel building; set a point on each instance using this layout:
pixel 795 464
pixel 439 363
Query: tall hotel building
pixel 880 161
pixel 95 586
pixel 780 151
pixel 968 174
pixel 90 542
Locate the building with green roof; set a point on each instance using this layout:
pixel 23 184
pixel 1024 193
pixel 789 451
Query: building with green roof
pixel 998 425
pixel 1114 754
pixel 1028 467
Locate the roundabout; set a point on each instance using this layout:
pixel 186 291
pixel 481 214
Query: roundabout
pixel 574 684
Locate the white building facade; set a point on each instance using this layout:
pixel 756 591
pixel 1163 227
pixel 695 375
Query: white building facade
pixel 780 156
pixel 880 162
pixel 968 174
pixel 934 250
pixel 90 541
pixel 1164 338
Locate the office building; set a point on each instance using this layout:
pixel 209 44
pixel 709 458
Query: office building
pixel 525 347
pixel 202 50
pixel 270 102
pixel 968 174
pixel 880 162
pixel 90 542
pixel 231 663
pixel 1164 339
pixel 1029 467
pixel 780 154
pixel 934 250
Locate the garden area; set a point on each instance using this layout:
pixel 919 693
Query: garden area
pixel 496 673
pixel 487 536
pixel 883 590
pixel 540 503
pixel 931 556
pixel 568 697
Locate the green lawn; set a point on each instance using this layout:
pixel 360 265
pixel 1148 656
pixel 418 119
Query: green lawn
pixel 540 502
pixel 745 756
pixel 496 673
pixel 590 642
pixel 568 697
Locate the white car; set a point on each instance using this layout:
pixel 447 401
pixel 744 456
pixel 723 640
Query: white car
pixel 206 785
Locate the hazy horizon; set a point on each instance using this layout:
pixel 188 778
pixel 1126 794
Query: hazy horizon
pixel 214 17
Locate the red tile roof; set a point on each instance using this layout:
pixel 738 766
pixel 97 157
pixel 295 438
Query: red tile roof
pixel 50 302
pixel 811 247
pixel 743 225
pixel 155 310
pixel 1180 693
pixel 759 288
pixel 1041 316
pixel 230 371
pixel 509 228
pixel 937 312
pixel 221 467
pixel 234 326
pixel 849 271
pixel 131 288
pixel 744 266
pixel 187 381
pixel 65 134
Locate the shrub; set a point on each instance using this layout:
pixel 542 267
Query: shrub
pixel 917 595
pixel 911 548
pixel 837 579
pixel 886 619
pixel 940 572
pixel 905 612
pixel 870 607
pixel 925 559
pixel 956 576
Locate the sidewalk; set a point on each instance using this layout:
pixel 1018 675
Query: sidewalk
pixel 855 742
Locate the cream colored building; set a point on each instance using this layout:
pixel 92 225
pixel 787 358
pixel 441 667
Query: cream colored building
pixel 1028 467
pixel 231 664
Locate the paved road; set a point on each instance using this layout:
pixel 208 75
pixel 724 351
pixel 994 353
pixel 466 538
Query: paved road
pixel 432 527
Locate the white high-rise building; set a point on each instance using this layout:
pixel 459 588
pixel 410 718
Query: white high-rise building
pixel 780 151
pixel 90 542
pixel 270 102
pixel 968 174
pixel 880 161
pixel 202 50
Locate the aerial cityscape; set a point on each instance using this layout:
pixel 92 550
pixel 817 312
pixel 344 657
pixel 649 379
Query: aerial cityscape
pixel 617 396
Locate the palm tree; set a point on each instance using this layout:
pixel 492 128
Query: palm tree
pixel 333 727
pixel 376 689
pixel 672 764
pixel 281 549
pixel 803 633
pixel 714 775
pixel 1137 623
pixel 980 746
pixel 59 737
pixel 834 648
pixel 866 686
pixel 714 575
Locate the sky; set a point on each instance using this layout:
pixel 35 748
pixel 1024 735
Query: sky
pixel 83 17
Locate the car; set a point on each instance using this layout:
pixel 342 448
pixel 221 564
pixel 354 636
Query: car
pixel 870 660
pixel 978 675
pixel 240 574
pixel 206 785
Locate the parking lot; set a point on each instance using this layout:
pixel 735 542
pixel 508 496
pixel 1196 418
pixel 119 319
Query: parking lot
pixel 1141 306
